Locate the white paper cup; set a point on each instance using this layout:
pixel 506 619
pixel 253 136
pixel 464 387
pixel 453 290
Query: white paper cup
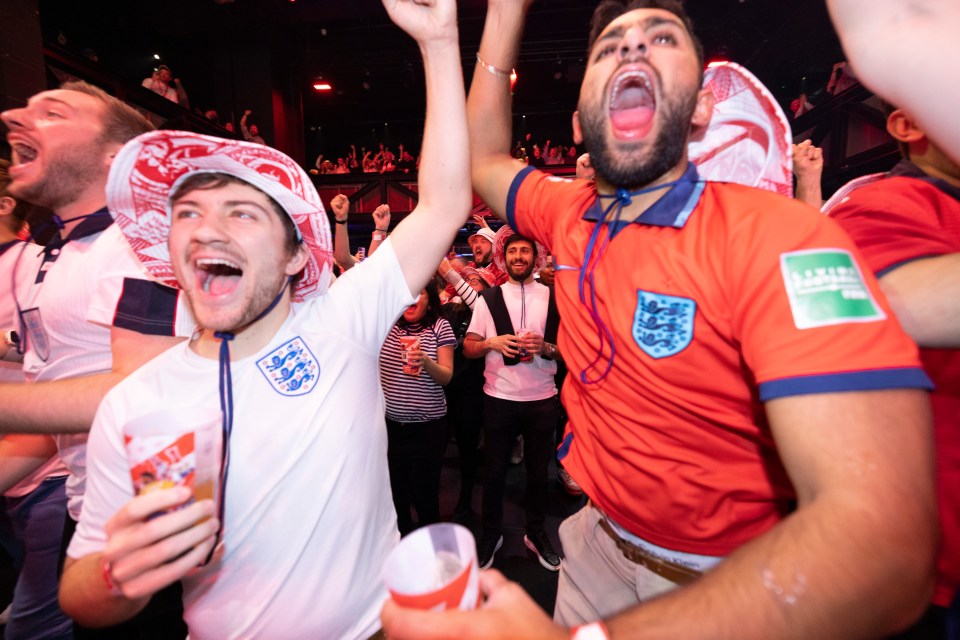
pixel 172 448
pixel 435 568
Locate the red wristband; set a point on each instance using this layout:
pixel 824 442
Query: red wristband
pixel 112 586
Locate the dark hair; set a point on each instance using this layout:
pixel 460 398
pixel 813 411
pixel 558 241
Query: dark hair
pixel 121 122
pixel 513 239
pixel 204 181
pixel 433 311
pixel 609 10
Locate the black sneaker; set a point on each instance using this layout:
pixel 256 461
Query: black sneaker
pixel 488 547
pixel 540 544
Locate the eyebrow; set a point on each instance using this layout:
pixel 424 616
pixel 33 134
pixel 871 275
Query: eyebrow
pixel 46 99
pixel 647 24
pixel 228 203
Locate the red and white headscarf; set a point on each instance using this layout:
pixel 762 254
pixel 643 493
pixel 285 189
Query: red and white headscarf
pixel 149 168
pixel 748 139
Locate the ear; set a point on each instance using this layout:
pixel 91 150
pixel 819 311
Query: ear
pixel 903 128
pixel 577 133
pixel 297 261
pixel 112 150
pixel 703 111
pixel 7 205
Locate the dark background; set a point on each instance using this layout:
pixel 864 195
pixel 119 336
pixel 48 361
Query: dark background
pixel 235 55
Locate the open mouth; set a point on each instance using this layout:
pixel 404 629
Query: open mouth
pixel 217 276
pixel 632 103
pixel 23 154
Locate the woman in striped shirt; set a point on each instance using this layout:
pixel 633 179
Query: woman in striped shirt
pixel 416 411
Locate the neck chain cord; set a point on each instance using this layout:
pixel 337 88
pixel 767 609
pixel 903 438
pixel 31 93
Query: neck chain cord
pixel 621 199
pixel 57 242
pixel 226 408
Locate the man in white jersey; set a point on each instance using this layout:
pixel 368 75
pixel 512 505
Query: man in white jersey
pixel 88 312
pixel 306 519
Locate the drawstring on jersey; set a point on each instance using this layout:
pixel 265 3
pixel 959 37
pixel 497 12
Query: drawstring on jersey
pixel 620 199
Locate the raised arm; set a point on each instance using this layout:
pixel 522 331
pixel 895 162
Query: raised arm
pixel 341 238
pixel 904 51
pixel 488 108
pixel 444 177
pixel 381 226
pixel 808 167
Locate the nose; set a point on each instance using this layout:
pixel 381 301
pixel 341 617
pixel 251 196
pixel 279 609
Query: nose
pixel 208 229
pixel 13 118
pixel 633 44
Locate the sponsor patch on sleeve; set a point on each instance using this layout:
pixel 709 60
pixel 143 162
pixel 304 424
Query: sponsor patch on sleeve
pixel 825 287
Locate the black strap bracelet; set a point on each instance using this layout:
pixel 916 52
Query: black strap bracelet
pixel 340 221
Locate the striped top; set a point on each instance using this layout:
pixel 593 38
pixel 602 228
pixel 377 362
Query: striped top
pixel 413 398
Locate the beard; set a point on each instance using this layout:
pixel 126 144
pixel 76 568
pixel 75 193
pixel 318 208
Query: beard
pixel 522 274
pixel 482 259
pixel 66 174
pixel 635 169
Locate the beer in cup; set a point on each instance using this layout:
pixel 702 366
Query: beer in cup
pixel 172 448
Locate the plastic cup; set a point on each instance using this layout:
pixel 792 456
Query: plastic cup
pixel 524 355
pixel 435 568
pixel 168 448
pixel 407 345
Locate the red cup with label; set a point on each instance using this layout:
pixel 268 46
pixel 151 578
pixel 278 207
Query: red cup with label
pixel 409 344
pixel 172 448
pixel 525 355
pixel 435 568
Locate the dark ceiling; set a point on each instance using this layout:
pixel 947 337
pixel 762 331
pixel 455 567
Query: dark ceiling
pixel 375 68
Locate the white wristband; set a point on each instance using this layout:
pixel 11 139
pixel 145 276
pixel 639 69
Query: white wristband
pixel 592 631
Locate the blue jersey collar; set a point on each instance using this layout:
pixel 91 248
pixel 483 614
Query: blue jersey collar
pixel 672 210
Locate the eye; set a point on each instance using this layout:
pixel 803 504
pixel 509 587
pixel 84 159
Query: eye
pixel 664 38
pixel 185 213
pixel 605 51
pixel 54 115
pixel 243 214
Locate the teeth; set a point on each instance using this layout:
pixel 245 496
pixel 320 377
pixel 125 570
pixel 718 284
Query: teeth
pixel 24 153
pixel 210 262
pixel 632 75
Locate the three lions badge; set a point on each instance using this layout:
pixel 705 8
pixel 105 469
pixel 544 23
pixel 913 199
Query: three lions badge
pixel 291 369
pixel 662 324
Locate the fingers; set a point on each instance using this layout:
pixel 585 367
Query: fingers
pixel 142 507
pixel 149 582
pixel 140 534
pixel 413 624
pixel 146 555
pixel 491 580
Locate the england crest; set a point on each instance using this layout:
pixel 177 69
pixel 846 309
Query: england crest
pixel 662 324
pixel 291 369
